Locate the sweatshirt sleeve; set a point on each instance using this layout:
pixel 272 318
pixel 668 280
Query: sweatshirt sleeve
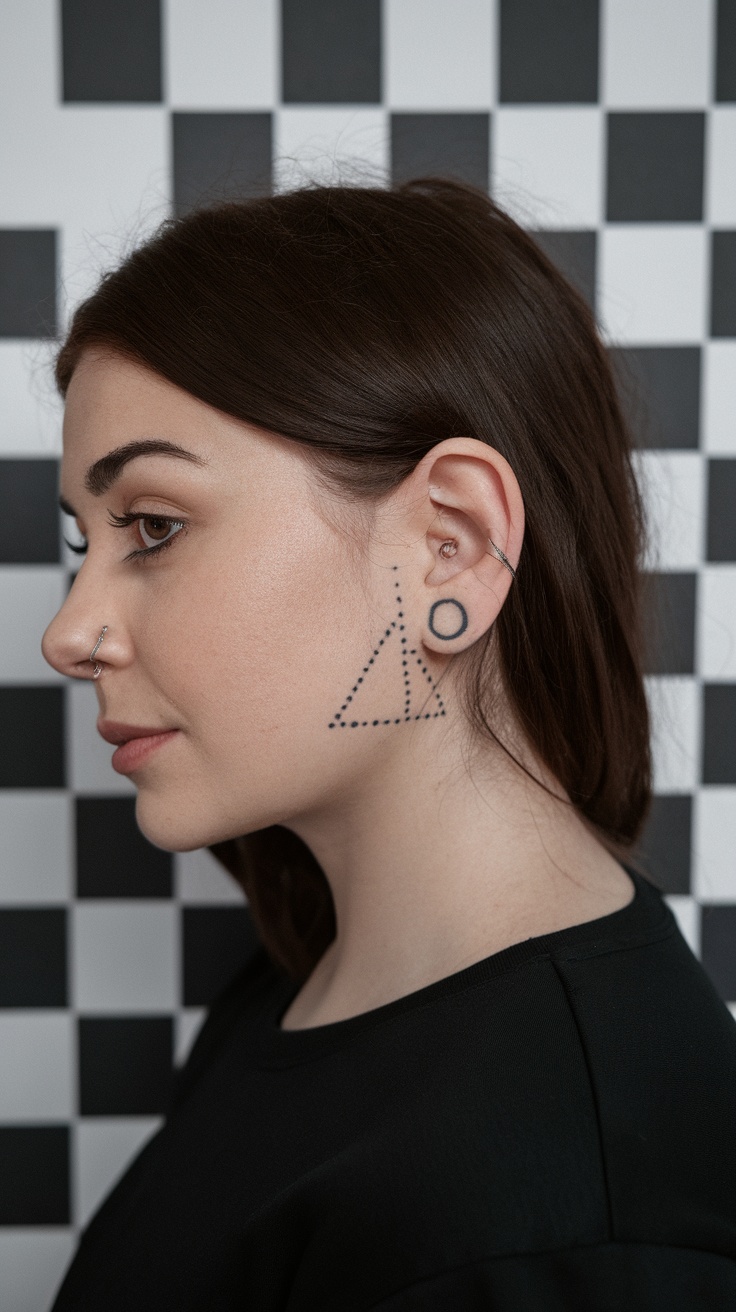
pixel 600 1278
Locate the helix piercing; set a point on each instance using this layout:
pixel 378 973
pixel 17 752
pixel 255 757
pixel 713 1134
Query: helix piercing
pixel 501 556
pixel 93 653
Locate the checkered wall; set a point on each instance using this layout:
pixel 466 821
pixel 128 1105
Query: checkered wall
pixel 607 128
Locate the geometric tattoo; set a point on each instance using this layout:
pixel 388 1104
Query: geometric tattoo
pixel 406 663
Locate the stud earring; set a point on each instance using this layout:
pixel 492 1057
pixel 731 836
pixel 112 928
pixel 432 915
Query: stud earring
pixel 448 548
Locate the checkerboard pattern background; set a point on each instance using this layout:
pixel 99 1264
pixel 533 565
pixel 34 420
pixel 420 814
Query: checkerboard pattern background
pixel 608 127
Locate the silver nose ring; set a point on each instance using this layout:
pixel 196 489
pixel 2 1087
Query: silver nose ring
pixel 93 653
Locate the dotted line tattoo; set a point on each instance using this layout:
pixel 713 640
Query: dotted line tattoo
pixel 339 723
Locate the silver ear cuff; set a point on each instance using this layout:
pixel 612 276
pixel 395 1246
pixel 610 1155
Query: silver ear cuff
pixel 93 653
pixel 501 556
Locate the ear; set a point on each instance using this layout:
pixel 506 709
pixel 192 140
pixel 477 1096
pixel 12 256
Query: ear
pixel 466 490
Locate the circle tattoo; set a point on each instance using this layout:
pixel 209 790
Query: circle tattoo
pixel 449 601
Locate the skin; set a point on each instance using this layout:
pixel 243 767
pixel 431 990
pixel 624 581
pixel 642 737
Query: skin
pixel 248 634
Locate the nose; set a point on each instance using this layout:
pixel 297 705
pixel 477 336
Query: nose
pixel 74 632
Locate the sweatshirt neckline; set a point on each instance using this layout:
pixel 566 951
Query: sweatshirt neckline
pixel 645 918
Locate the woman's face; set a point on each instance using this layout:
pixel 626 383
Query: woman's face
pixel 245 633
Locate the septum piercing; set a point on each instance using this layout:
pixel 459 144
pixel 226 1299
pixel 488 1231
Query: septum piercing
pixel 93 653
pixel 451 544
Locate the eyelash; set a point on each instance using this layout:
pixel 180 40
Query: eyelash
pixel 123 521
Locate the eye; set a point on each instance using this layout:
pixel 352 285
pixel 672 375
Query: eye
pixel 159 528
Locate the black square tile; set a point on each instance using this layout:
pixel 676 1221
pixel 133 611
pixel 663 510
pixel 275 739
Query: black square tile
pixel 28 277
pixel 665 843
pixel 29 514
pixel 125 1065
pixel 220 157
pixel 33 957
pixel 721 532
pixel 32 721
pixel 726 51
pixel 655 167
pixel 34 1175
pixel 111 51
pixel 114 859
pixel 668 622
pixel 719 733
pixel 659 390
pixel 723 283
pixel 331 52
pixel 574 253
pixel 548 52
pixel 455 145
pixel 718 947
pixel 216 942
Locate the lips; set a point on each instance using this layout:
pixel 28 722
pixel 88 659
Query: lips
pixel 134 743
pixel 113 731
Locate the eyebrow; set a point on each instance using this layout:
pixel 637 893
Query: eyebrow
pixel 102 474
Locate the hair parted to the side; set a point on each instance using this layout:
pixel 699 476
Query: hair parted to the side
pixel 368 324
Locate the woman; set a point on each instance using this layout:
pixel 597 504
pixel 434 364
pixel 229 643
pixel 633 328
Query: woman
pixel 361 597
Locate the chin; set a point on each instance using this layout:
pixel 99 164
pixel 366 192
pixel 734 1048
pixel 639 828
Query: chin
pixel 178 825
pixel 174 828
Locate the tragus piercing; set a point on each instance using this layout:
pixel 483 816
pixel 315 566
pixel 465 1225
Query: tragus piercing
pixel 501 556
pixel 93 653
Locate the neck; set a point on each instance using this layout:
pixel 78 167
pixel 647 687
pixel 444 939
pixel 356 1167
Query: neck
pixel 433 867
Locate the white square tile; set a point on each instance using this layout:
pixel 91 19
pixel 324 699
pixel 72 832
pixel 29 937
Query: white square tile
pixel 714 823
pixel 105 1149
pixel 674 706
pixel 29 60
pixel 32 1263
pixel 100 174
pixel 716 623
pixel 107 210
pixel 125 956
pixel 438 55
pixel 200 878
pixel 672 484
pixel 36 853
pixel 656 53
pixel 720 170
pixel 222 54
pixel 719 398
pixel 547 165
pixel 38 1060
pixel 188 1023
pixel 340 145
pixel 653 283
pixel 30 406
pixel 89 769
pixel 30 596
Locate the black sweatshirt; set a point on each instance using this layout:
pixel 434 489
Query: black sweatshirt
pixel 551 1128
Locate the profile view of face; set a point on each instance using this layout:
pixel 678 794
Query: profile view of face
pixel 245 632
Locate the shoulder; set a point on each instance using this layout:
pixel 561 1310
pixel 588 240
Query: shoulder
pixel 580 1110
pixel 604 1277
pixel 660 1050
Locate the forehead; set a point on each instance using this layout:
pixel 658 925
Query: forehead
pixel 109 394
pixel 112 401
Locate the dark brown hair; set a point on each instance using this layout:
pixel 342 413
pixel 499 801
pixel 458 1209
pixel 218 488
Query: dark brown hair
pixel 370 323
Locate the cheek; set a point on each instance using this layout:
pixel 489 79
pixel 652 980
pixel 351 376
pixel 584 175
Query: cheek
pixel 257 656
